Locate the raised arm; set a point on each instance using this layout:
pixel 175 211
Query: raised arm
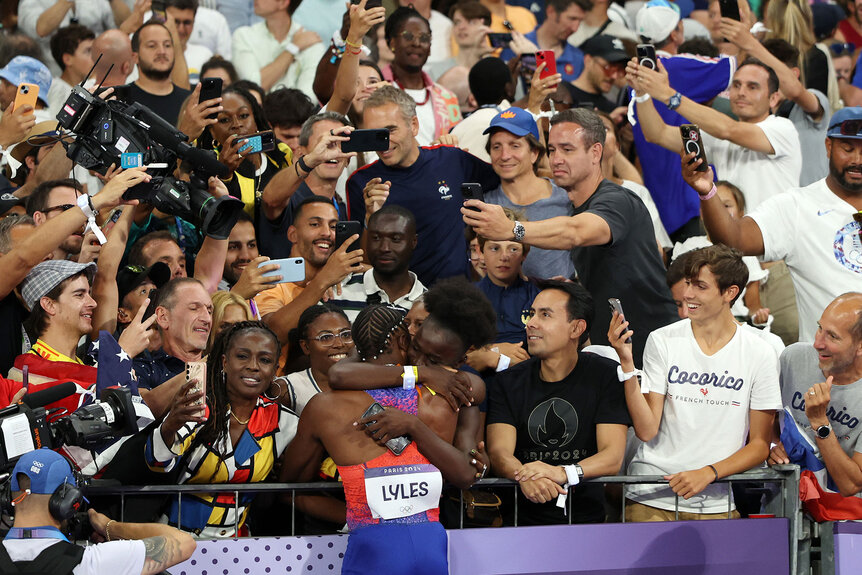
pixel 361 21
pixel 104 288
pixel 845 471
pixel 654 128
pixel 738 33
pixel 745 134
pixel 560 233
pixel 743 234
pixel 209 264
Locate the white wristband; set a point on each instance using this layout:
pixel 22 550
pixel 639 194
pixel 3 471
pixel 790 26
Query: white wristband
pixel 292 49
pixel 641 99
pixel 503 363
pixel 410 375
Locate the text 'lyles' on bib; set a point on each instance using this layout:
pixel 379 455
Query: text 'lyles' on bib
pixel 402 490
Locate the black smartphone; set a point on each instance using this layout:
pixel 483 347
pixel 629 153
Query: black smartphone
pixel 259 142
pixel 370 4
pixel 499 40
pixel 472 191
pixel 729 9
pixel 616 306
pixel 159 10
pixel 345 229
pixel 367 141
pixel 646 56
pixel 692 142
pixel 397 444
pixel 210 90
pixel 151 308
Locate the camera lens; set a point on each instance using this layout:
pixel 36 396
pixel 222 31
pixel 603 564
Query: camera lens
pixel 25 89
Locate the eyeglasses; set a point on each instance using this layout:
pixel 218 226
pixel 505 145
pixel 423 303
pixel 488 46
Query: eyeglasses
pixel 839 49
pixel 61 208
pixel 849 127
pixel 612 69
pixel 328 339
pixel 409 37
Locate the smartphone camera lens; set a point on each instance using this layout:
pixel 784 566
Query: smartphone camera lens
pixel 25 89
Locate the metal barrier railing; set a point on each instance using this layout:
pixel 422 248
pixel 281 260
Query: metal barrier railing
pixel 783 502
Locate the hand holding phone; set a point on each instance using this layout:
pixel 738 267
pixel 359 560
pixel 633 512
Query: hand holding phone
pixel 366 141
pixel 647 56
pixel 344 230
pixel 472 191
pixel 210 90
pixel 550 60
pixel 290 269
pixel 397 444
pixel 26 95
pixel 197 370
pixel 617 306
pixel 257 143
pixel 693 144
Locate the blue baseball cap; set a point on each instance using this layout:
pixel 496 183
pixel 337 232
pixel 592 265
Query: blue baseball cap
pixel 24 69
pixel 46 469
pixel 515 120
pixel 852 130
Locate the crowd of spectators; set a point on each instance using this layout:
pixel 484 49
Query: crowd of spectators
pixel 546 259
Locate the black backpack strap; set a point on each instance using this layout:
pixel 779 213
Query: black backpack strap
pixel 58 559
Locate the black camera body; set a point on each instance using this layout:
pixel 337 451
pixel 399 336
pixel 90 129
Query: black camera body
pixel 106 130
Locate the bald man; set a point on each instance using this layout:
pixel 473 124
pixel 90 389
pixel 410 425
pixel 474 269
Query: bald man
pixel 115 48
pixel 821 387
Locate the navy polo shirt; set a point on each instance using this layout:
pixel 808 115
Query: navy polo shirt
pixel 512 305
pixel 155 368
pixel 431 189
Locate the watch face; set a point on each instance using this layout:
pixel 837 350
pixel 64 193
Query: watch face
pixel 823 431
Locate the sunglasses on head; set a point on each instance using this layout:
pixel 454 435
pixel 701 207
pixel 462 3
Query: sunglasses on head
pixel 839 49
pixel 849 127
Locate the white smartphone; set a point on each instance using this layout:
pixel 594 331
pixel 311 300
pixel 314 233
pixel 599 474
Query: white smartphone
pixel 290 269
pixel 198 370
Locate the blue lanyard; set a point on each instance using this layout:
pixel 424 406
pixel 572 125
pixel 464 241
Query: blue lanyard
pixel 42 532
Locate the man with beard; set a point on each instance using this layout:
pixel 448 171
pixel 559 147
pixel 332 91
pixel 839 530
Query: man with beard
pixel 313 236
pixel 827 412
pixel 815 229
pixel 49 200
pixel 390 240
pixel 153 51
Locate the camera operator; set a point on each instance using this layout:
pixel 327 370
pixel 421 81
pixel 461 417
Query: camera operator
pixel 45 495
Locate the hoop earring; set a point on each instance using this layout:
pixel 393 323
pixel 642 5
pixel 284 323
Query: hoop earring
pixel 280 391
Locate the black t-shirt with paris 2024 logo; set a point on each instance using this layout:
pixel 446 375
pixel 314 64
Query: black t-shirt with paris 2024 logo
pixel 556 423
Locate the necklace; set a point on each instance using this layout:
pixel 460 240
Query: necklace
pixel 427 93
pixel 238 420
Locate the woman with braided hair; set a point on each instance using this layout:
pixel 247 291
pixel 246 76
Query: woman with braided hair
pixel 392 496
pixel 230 433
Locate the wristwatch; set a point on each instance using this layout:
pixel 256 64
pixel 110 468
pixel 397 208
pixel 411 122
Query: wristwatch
pixel 580 470
pixel 292 49
pixel 823 431
pixel 674 101
pixel 519 231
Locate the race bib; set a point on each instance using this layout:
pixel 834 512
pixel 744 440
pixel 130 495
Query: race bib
pixel 402 490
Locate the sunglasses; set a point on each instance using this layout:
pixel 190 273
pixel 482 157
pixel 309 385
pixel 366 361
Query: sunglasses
pixel 839 49
pixel 61 208
pixel 849 127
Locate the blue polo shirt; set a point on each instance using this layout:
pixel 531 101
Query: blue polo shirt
pixel 512 305
pixel 570 63
pixel 431 189
pixel 700 79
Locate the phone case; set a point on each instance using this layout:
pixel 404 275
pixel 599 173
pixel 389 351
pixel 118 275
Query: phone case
pixel 692 142
pixel 397 444
pixel 472 191
pixel 290 269
pixel 210 89
pixel 198 370
pixel 26 95
pixel 646 56
pixel 550 60
pixel 499 39
pixel 617 306
pixel 344 230
pixel 367 141
pixel 729 9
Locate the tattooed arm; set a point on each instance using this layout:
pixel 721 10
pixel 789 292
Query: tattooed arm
pixel 165 546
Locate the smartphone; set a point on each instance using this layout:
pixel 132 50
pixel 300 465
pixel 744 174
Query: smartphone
pixel 646 56
pixel 692 142
pixel 259 142
pixel 210 90
pixel 397 444
pixel 550 60
pixel 343 230
pixel 290 270
pixel 198 370
pixel 367 141
pixel 472 191
pixel 499 40
pixel 26 95
pixel 151 309
pixel 370 4
pixel 729 9
pixel 528 64
pixel 616 306
pixel 160 14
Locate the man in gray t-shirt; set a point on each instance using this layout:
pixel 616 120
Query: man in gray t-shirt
pixel 829 411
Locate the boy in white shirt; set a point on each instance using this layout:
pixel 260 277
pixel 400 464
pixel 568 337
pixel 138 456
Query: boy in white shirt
pixel 712 383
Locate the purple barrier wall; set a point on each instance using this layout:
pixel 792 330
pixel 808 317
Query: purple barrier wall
pixel 848 548
pixel 741 547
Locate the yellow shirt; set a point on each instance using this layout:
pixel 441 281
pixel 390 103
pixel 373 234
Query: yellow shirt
pixel 45 351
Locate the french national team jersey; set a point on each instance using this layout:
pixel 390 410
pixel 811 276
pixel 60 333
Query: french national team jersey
pixel 431 189
pixel 700 79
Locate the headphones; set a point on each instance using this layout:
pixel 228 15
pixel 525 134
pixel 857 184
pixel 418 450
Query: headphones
pixel 65 502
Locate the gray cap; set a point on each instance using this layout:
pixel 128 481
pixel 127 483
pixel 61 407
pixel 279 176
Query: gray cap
pixel 48 275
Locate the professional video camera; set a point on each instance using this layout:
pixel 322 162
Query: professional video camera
pixel 25 426
pixel 129 135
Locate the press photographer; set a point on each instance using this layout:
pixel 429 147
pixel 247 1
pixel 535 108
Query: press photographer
pixel 43 493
